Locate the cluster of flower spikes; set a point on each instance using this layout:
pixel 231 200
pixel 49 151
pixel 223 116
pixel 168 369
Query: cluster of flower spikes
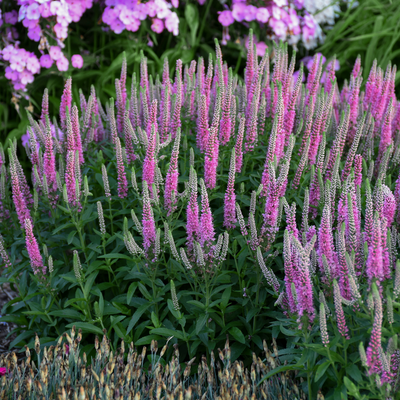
pixel 293 21
pixel 229 117
pixel 365 134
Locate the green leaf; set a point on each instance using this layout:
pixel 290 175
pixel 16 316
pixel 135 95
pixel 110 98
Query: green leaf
pixel 192 18
pixel 89 283
pixel 237 334
pixel 131 291
pixel 121 332
pixel 67 313
pixel 226 297
pixel 86 327
pixel 321 370
pixel 116 256
pixel 197 304
pixel 71 236
pixel 20 337
pixel 200 323
pixel 155 320
pixel 287 332
pixel 167 333
pixel 101 306
pixel 351 387
pixel 136 316
pixel 67 225
pixel 278 370
pixel 115 320
pixel 354 372
pixel 146 340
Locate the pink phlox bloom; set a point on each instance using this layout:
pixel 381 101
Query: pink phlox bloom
pixel 62 63
pixel 261 47
pixel 279 27
pixel 26 77
pixel 8 51
pixel 117 26
pixel 276 12
pixel 77 61
pixel 175 3
pixel 46 61
pixel 33 65
pixel 151 9
pixel 55 53
pixel 61 31
pixel 172 23
pixel 64 20
pixel 32 12
pixel 262 15
pixel 293 22
pixel 11 74
pixel 17 63
pixel 157 26
pixel 239 11
pixel 226 18
pixel 250 13
pixel 45 10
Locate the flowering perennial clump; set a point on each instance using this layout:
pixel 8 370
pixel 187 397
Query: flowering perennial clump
pixel 211 171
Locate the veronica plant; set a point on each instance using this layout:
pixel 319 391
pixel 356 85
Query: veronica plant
pixel 162 214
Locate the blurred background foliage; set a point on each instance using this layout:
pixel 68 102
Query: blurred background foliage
pixel 371 30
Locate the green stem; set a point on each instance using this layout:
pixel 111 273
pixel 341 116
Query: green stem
pixel 203 22
pixel 309 381
pixel 333 364
pixel 87 301
pixel 111 217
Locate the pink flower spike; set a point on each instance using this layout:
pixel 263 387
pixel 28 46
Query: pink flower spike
pixel 18 197
pixel 230 196
pixel 33 249
pixel 207 233
pixel 66 101
pixel 192 225
pixel 171 180
pixel 149 227
pixel 122 182
pixel 341 320
pixel 373 358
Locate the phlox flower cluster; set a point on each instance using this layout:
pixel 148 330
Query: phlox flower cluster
pixel 21 67
pixel 295 22
pixel 128 14
pixel 58 13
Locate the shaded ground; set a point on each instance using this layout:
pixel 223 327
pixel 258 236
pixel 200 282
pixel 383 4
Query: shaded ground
pixel 6 294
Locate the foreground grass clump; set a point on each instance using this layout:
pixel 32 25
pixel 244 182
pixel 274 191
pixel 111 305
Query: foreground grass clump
pixel 62 372
pixel 133 220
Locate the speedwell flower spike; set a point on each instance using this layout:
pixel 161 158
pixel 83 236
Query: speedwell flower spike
pixel 230 196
